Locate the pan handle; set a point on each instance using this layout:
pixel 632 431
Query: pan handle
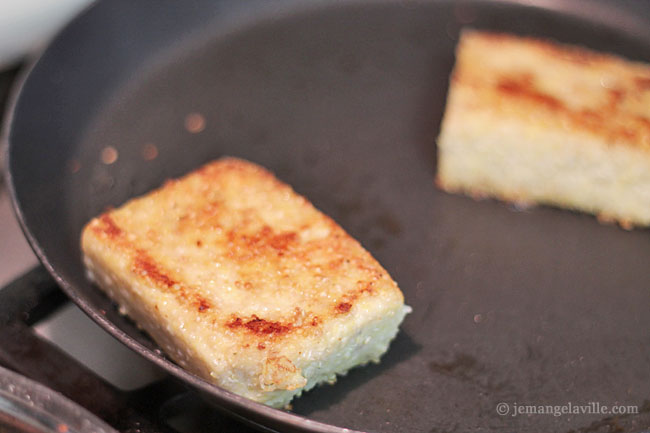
pixel 34 296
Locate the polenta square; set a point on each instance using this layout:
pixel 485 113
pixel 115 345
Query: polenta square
pixel 243 282
pixel 535 121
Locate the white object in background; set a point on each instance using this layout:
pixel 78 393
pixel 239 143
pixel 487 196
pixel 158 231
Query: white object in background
pixel 26 25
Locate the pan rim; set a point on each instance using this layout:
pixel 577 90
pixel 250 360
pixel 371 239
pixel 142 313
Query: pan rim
pixel 228 401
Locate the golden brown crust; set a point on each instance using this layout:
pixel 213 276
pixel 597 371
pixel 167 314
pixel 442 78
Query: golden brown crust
pixel 569 87
pixel 208 215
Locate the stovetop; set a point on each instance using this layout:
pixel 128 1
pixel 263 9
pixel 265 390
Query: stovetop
pixel 33 306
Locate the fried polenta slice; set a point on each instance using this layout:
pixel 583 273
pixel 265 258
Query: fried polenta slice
pixel 243 282
pixel 535 121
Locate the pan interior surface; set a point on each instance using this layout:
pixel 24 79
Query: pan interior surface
pixel 343 101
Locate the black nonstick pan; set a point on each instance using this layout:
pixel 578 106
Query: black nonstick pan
pixel 343 100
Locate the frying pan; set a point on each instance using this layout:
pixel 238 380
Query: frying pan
pixel 343 101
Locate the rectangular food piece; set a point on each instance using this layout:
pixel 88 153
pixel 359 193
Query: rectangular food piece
pixel 538 122
pixel 243 282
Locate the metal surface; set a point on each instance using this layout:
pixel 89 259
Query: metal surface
pixel 162 407
pixel 27 406
pixel 6 78
pixel 343 101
